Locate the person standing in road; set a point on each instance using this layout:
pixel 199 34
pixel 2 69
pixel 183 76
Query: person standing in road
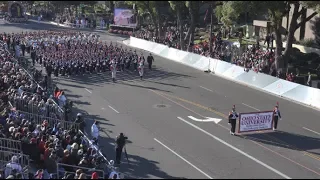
pixel 276 116
pixel 150 60
pixel 233 120
pixel 141 68
pixel 120 143
pixel 113 68
pixel 95 130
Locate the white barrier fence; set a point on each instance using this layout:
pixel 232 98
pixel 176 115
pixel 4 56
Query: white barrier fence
pixel 72 25
pixel 293 91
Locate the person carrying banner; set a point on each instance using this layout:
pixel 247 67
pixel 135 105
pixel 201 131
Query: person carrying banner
pixel 233 115
pixel 276 116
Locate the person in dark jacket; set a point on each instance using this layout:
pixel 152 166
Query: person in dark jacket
pixel 277 116
pixel 150 60
pixel 120 143
pixel 33 56
pixel 51 164
pixel 79 119
pixel 23 48
pixel 233 120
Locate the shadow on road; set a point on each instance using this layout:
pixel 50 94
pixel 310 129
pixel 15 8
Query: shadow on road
pixel 98 79
pixel 168 84
pixel 288 140
pixel 138 167
pixel 134 168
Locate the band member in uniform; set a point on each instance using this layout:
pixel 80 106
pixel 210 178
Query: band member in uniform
pixel 135 61
pixel 140 68
pixel 150 60
pixel 233 120
pixel 122 61
pixel 113 68
pixel 277 116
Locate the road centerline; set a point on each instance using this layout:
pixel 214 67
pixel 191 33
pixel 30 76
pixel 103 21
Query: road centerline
pixel 88 90
pixel 311 130
pixel 113 109
pixel 251 107
pixel 206 88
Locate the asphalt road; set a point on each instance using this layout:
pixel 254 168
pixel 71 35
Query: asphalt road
pixel 166 143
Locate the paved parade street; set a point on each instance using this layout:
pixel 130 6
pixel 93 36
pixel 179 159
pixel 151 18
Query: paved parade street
pixel 162 117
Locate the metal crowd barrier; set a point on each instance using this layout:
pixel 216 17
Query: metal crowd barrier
pixel 38 119
pixel 49 110
pixel 107 164
pixel 10 145
pixel 65 168
pixel 21 67
pixel 23 160
pixel 91 145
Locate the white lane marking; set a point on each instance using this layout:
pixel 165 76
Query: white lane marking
pixel 311 130
pixel 183 159
pixel 114 109
pixel 88 90
pixel 238 150
pixel 251 107
pixel 208 119
pixel 206 88
pixel 102 108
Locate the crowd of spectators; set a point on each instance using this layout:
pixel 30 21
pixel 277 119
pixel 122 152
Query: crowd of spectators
pixel 220 49
pixel 31 116
pixel 253 57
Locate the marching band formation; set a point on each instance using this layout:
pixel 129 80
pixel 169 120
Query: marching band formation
pixel 74 53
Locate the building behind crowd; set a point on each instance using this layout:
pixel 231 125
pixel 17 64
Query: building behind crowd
pixel 305 31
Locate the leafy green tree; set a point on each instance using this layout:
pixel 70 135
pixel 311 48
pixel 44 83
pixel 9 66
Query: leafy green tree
pixel 178 6
pixel 152 8
pixel 274 11
pixel 193 7
pixel 316 31
pixel 213 8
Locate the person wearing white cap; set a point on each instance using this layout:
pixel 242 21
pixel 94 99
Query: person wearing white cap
pixel 113 68
pixel 95 130
pixel 141 68
pixel 13 165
